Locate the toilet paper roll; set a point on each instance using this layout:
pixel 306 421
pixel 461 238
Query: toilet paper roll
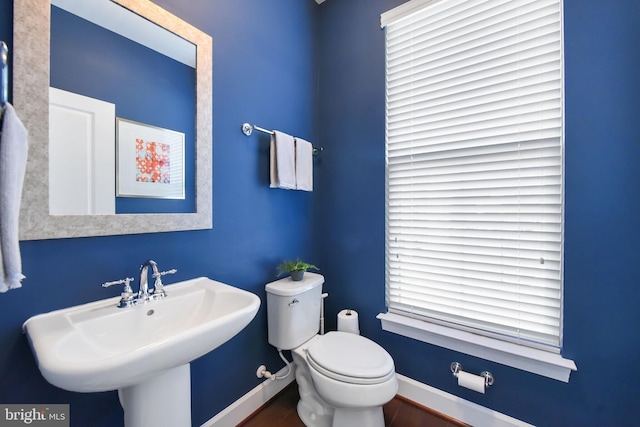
pixel 348 321
pixel 470 381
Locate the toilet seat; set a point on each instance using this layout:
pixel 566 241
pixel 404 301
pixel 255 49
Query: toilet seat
pixel 350 358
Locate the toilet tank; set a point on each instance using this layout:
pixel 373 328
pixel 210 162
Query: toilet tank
pixel 293 310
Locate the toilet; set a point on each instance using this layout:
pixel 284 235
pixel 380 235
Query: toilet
pixel 343 378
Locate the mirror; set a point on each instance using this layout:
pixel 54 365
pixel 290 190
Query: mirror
pixel 31 71
pixel 107 63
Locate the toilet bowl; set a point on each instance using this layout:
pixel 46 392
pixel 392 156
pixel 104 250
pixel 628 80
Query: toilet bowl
pixel 343 378
pixel 354 375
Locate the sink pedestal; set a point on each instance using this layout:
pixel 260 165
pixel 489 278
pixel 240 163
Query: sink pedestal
pixel 162 400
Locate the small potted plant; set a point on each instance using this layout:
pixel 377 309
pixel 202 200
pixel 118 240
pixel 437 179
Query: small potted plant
pixel 295 268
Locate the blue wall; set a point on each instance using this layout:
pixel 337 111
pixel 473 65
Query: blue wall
pixel 602 261
pixel 318 72
pixel 264 74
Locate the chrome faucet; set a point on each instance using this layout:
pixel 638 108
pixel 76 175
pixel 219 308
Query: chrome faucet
pixel 129 299
pixel 143 292
pixel 158 288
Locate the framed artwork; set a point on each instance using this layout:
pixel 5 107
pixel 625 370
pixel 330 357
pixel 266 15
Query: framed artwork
pixel 150 161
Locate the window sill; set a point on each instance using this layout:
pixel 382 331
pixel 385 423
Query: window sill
pixel 528 359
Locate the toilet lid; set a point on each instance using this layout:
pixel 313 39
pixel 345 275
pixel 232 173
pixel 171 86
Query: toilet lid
pixel 350 358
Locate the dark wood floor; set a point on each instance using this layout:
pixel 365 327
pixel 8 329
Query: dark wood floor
pixel 281 411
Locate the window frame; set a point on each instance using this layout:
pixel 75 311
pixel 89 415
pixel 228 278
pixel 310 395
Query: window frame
pixel 542 362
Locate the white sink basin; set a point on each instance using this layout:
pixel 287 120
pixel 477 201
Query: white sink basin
pixel 99 347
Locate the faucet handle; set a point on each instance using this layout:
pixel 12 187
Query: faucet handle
pixel 163 273
pixel 158 290
pixel 125 282
pixel 127 295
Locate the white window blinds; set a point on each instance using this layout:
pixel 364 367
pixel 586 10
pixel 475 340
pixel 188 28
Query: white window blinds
pixel 474 107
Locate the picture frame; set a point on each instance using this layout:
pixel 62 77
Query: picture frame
pixel 150 161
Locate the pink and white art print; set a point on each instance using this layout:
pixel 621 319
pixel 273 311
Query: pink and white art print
pixel 150 161
pixel 153 161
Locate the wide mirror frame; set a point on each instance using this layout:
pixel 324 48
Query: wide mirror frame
pixel 31 52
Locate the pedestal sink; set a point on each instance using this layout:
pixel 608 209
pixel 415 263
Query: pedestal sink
pixel 142 351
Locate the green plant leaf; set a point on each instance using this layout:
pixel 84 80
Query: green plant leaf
pixel 287 266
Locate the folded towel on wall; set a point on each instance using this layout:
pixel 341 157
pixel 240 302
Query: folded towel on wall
pixel 282 166
pixel 304 165
pixel 13 163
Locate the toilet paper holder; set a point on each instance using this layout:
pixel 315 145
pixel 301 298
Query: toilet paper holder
pixel 488 376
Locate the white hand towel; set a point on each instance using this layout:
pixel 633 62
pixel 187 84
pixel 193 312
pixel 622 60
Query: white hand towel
pixel 13 162
pixel 282 156
pixel 304 165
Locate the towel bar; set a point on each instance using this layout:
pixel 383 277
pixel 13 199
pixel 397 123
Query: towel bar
pixel 248 129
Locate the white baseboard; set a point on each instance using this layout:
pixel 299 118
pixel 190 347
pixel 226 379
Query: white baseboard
pixel 453 406
pixel 438 400
pixel 233 414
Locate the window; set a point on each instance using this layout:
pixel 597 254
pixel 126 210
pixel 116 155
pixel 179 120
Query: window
pixel 474 209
